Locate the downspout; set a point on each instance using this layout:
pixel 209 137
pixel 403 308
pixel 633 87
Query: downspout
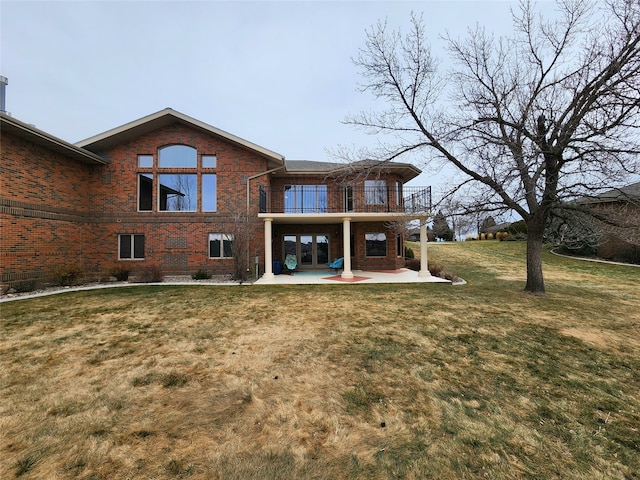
pixel 252 177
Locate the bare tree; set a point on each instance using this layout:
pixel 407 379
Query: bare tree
pixel 530 120
pixel 243 230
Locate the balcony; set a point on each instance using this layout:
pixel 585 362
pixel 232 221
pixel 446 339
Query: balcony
pixel 319 199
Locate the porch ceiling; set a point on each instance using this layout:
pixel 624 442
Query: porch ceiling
pixel 325 218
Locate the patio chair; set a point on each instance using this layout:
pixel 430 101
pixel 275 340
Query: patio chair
pixel 291 262
pixel 336 264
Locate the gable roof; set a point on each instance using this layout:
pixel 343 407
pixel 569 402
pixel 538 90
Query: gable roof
pixel 406 171
pixel 30 133
pixel 163 118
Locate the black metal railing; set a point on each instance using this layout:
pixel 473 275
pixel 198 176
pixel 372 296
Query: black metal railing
pixel 307 199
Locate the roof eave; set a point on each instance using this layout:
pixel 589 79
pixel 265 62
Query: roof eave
pixel 165 117
pixel 407 171
pixel 40 137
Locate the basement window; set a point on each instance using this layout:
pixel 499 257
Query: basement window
pixel 220 245
pixel 130 247
pixel 376 244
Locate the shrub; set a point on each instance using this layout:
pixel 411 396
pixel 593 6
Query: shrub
pixel 413 264
pixel 67 275
pixel 150 274
pixel 121 271
pixel 201 275
pixel 24 287
pixel 436 269
pixel 518 227
pixel 408 252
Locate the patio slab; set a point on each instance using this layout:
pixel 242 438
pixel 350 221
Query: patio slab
pixel 328 277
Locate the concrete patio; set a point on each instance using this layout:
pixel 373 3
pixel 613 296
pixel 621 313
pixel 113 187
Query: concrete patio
pixel 330 277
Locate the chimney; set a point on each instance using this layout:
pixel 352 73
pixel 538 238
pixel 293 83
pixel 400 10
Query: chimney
pixel 3 85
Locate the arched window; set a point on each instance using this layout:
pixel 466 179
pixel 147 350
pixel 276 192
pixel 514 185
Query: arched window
pixel 177 156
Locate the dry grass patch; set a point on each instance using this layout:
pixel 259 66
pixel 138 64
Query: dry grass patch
pixel 356 381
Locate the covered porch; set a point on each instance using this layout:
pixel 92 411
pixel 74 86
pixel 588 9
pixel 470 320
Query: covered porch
pixel 344 224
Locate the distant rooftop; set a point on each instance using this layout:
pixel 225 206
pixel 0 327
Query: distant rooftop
pixel 622 194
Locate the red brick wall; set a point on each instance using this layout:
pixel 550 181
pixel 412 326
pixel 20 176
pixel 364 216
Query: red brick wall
pixel 58 211
pixel 175 241
pixel 43 210
pixel 361 261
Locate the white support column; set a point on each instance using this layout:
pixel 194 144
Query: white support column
pixel 268 249
pixel 424 265
pixel 346 240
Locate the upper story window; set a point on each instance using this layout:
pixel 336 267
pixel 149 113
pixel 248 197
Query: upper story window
pixel 177 156
pixel 176 181
pixel 178 192
pixel 305 199
pixel 209 161
pixel 209 195
pixel 375 192
pixel 145 161
pixel 348 198
pixel 145 192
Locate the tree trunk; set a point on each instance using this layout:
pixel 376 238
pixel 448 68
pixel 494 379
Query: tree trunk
pixel 535 280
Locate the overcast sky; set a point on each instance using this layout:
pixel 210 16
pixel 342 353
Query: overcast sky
pixel 278 74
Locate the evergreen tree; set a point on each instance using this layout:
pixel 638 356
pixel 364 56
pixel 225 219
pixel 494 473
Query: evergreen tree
pixel 441 228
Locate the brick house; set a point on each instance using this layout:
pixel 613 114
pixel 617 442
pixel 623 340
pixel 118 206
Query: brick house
pixel 619 211
pixel 170 191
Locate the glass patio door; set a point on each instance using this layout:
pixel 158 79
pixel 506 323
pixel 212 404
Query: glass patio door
pixel 312 251
pixel 322 250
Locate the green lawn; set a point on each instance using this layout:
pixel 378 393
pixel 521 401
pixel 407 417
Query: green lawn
pixel 349 381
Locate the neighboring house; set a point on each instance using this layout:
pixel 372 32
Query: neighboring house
pixel 170 191
pixel 412 234
pixel 502 227
pixel 620 237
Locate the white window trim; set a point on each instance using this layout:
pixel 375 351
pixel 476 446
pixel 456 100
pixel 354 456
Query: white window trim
pixel 132 258
pixel 223 236
pixel 375 188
